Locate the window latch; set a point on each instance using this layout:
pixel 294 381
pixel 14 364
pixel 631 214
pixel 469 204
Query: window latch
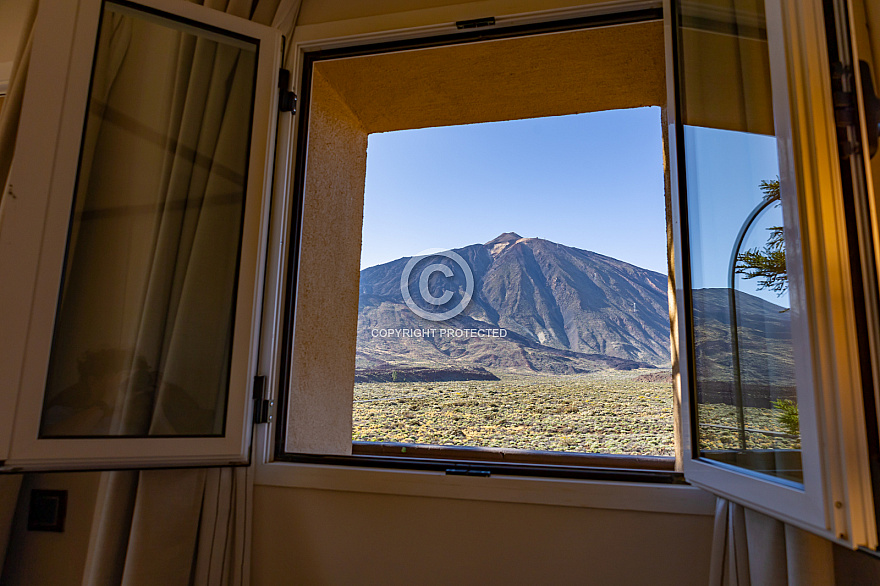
pixel 475 23
pixel 264 409
pixel 467 471
pixel 286 98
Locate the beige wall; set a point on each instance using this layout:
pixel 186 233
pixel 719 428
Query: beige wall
pixel 304 536
pixel 12 17
pixel 41 557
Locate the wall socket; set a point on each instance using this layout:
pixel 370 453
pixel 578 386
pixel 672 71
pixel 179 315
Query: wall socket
pixel 47 510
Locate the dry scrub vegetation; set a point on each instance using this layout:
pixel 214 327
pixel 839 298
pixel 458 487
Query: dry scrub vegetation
pixel 610 412
pixel 720 430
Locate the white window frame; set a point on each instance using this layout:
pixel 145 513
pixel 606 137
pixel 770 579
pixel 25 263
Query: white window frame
pixel 34 235
pixel 835 500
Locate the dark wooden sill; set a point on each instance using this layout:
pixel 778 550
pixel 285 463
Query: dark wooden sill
pixel 513 456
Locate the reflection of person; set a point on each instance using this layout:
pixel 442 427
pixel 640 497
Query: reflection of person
pixel 116 395
pixel 113 396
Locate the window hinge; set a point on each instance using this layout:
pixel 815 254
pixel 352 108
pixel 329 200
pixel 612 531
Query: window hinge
pixel 475 23
pixel 286 98
pixel 845 108
pixel 263 408
pixel 846 113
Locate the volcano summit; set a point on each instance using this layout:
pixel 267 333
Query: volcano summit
pixel 562 310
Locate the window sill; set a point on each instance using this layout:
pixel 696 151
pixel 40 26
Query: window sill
pixel 472 455
pixel 565 492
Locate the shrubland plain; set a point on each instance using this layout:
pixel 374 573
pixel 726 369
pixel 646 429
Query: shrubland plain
pixel 606 412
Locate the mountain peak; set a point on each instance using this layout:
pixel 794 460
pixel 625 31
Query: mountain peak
pixel 498 245
pixel 560 305
pixel 505 238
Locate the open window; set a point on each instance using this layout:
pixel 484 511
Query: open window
pixel 427 360
pixel 771 315
pixel 133 237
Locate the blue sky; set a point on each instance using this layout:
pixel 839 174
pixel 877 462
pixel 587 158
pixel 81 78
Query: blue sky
pixel 592 181
pixel 724 172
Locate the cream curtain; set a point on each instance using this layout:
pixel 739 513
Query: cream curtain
pixel 171 527
pixel 751 548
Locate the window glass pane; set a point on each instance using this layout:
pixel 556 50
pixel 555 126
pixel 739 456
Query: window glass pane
pixel 143 332
pixel 743 353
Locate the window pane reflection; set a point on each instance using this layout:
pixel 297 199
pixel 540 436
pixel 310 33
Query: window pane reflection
pixel 143 334
pixel 743 358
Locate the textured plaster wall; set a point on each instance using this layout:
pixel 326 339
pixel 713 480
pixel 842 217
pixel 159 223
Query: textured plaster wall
pixel 322 383
pixel 529 77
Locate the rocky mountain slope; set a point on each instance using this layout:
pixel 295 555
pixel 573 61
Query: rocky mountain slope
pixel 563 309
